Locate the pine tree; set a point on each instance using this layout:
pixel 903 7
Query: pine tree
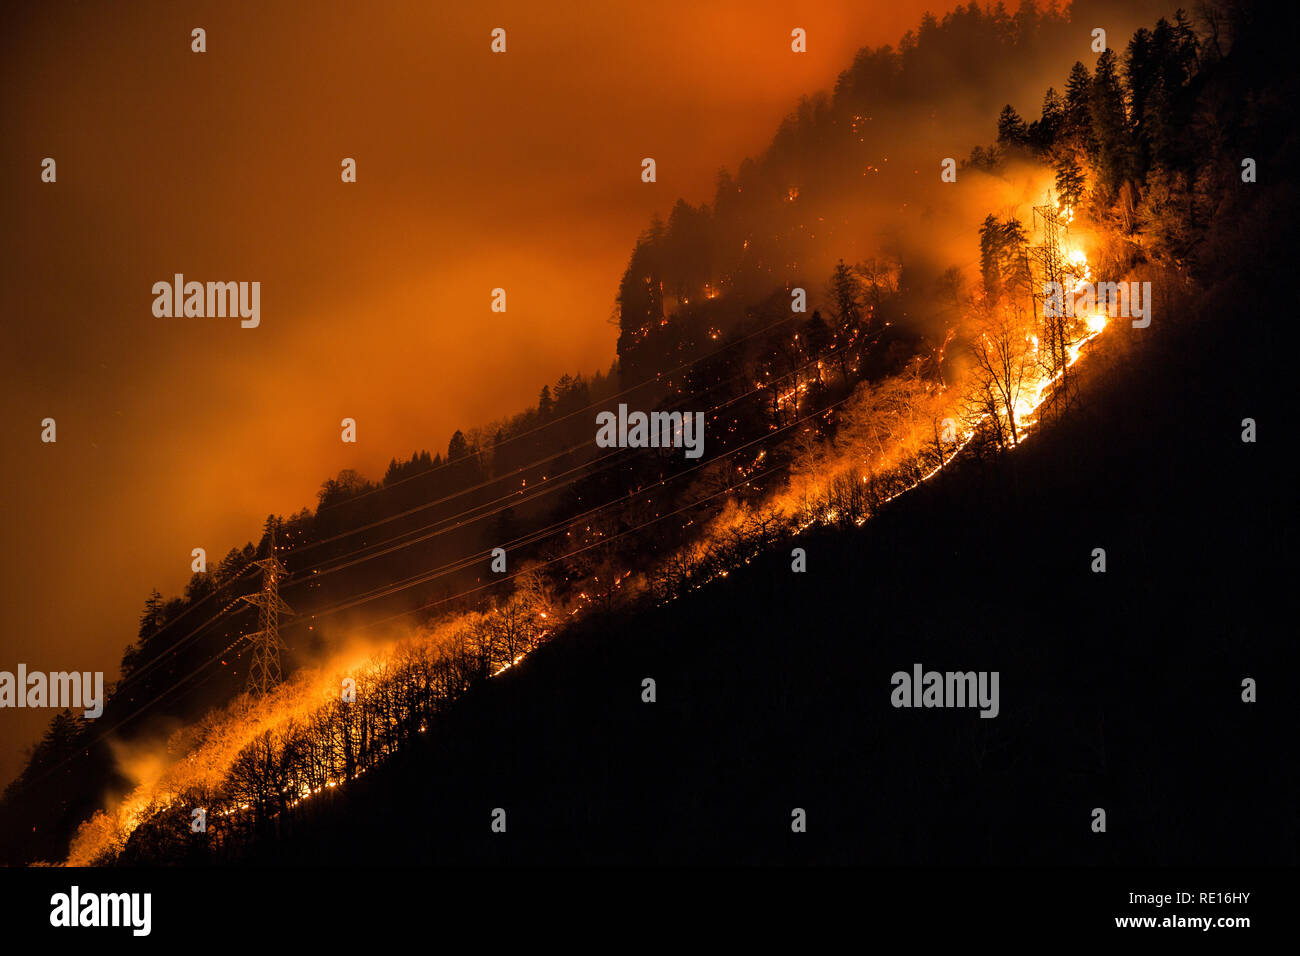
pixel 1069 181
pixel 848 311
pixel 1012 132
pixel 847 295
pixel 818 336
pixel 991 239
pixel 1170 99
pixel 1014 265
pixel 1078 118
pixel 151 620
pixel 1109 125
pixel 1141 75
pixel 1045 130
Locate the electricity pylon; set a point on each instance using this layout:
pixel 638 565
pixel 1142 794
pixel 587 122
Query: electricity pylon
pixel 264 670
pixel 1050 254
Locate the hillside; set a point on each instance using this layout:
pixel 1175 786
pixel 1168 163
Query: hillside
pixel 1119 690
pixel 946 455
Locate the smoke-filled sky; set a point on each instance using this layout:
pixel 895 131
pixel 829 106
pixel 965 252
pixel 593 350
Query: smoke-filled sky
pixel 475 171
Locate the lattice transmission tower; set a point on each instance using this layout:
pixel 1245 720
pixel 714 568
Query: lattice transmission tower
pixel 1051 255
pixel 264 670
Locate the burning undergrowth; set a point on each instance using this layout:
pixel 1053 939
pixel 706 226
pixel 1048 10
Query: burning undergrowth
pixel 844 446
pixel 245 764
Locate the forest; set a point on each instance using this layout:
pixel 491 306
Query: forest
pixel 899 399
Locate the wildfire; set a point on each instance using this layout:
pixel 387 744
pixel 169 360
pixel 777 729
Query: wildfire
pixel 201 758
pixel 888 430
pixel 1082 297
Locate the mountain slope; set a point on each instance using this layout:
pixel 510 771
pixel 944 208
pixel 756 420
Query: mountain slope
pixel 1118 690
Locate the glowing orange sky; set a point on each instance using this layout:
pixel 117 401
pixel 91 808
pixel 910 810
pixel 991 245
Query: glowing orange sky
pixel 475 171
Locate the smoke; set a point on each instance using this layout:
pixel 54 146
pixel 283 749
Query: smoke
pixel 175 757
pixel 884 200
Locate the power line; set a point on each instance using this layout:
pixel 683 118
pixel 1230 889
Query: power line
pixel 264 671
pixel 271 565
pixel 462 517
pixel 498 478
pixel 141 671
pixel 586 408
pixel 533 537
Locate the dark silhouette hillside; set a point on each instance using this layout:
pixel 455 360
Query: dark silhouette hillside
pixel 1119 690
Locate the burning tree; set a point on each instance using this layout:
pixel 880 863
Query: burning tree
pixel 1004 367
